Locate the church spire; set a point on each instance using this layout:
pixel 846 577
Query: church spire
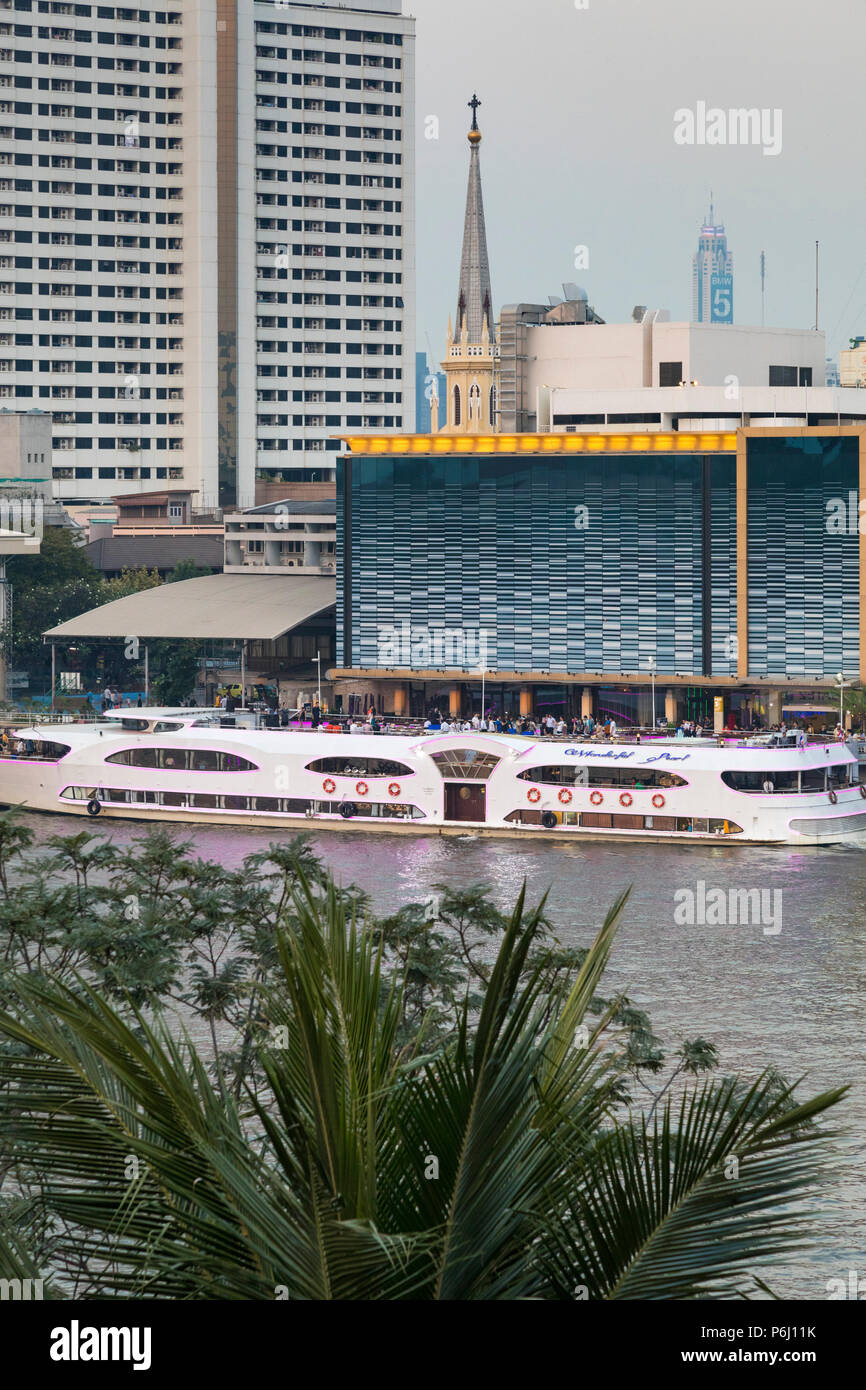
pixel 474 298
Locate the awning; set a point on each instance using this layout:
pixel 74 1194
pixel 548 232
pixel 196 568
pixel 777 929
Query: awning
pixel 256 607
pixel 810 709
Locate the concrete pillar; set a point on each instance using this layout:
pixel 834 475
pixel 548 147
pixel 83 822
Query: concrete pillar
pixel 586 702
pixel 774 707
pixel 401 700
pixel 671 706
pixel 454 700
pixel 525 699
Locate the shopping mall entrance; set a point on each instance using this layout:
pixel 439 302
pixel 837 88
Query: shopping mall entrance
pixel 465 801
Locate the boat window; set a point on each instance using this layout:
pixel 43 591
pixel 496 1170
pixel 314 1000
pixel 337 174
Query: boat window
pixel 134 725
pixel 766 783
pixel 163 727
pixel 632 778
pixel 606 820
pixel 360 767
pixel 467 764
pixel 35 750
pixel 183 759
pixel 207 801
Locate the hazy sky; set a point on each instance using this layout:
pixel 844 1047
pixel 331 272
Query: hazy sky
pixel 578 122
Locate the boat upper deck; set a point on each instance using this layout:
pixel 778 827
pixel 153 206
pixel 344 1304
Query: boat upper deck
pixel 201 727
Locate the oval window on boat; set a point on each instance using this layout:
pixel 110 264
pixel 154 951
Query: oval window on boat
pixel 766 783
pixel 631 778
pixel 183 759
pixel 360 767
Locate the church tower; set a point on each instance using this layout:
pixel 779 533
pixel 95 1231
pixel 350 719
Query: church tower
pixel 472 364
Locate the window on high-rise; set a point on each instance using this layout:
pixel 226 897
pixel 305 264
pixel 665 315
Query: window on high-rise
pixel 670 373
pixel 784 376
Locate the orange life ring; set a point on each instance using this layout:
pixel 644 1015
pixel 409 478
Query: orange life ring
pixel 565 796
pixel 626 799
pixel 329 785
pixel 596 798
pixel 361 788
pixel 833 798
pixel 863 791
pixel 533 794
pixel 394 789
pixel 658 801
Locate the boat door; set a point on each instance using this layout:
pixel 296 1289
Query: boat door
pixel 465 801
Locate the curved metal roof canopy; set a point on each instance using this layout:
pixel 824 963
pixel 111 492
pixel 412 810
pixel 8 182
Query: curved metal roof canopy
pixel 255 607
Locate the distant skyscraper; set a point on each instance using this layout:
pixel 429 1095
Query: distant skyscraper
pixel 712 275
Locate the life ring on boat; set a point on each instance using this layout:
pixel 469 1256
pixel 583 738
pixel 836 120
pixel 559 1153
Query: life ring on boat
pixel 565 796
pixel 329 785
pixel 863 791
pixel 394 789
pixel 348 810
pixel 596 798
pixel 548 820
pixel 361 788
pixel 658 801
pixel 626 799
pixel 533 795
pixel 94 806
pixel 833 798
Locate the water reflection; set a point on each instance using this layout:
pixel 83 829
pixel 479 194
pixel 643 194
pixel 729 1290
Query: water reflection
pixel 795 1000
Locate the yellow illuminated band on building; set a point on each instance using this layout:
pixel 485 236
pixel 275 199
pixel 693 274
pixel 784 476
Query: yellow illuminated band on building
pixel 541 443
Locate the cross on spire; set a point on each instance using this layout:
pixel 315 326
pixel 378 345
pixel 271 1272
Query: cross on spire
pixel 474 103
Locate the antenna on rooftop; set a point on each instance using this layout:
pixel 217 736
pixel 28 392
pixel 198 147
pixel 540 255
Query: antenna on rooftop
pixel 763 284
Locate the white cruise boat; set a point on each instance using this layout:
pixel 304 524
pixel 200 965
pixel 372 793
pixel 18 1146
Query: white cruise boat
pixel 187 766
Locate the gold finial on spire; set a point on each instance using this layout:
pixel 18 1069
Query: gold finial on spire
pixel 475 133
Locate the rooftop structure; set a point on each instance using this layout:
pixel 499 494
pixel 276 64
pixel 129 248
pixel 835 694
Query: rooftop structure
pixel 282 535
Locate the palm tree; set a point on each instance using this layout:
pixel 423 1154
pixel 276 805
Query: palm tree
pixel 494 1168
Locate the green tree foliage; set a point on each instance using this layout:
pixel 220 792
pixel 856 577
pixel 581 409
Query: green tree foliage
pixel 61 583
pixel 48 589
pixel 321 1152
pixel 176 666
pixel 187 569
pixel 128 582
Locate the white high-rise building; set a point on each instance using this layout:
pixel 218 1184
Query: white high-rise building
pixel 206 238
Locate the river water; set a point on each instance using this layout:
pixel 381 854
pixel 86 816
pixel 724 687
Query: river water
pixel 786 990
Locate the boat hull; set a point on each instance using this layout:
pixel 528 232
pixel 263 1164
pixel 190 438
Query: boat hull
pixel 190 774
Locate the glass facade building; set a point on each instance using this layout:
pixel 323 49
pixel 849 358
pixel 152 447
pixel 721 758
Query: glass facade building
pixel 594 563
pixel 804 577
